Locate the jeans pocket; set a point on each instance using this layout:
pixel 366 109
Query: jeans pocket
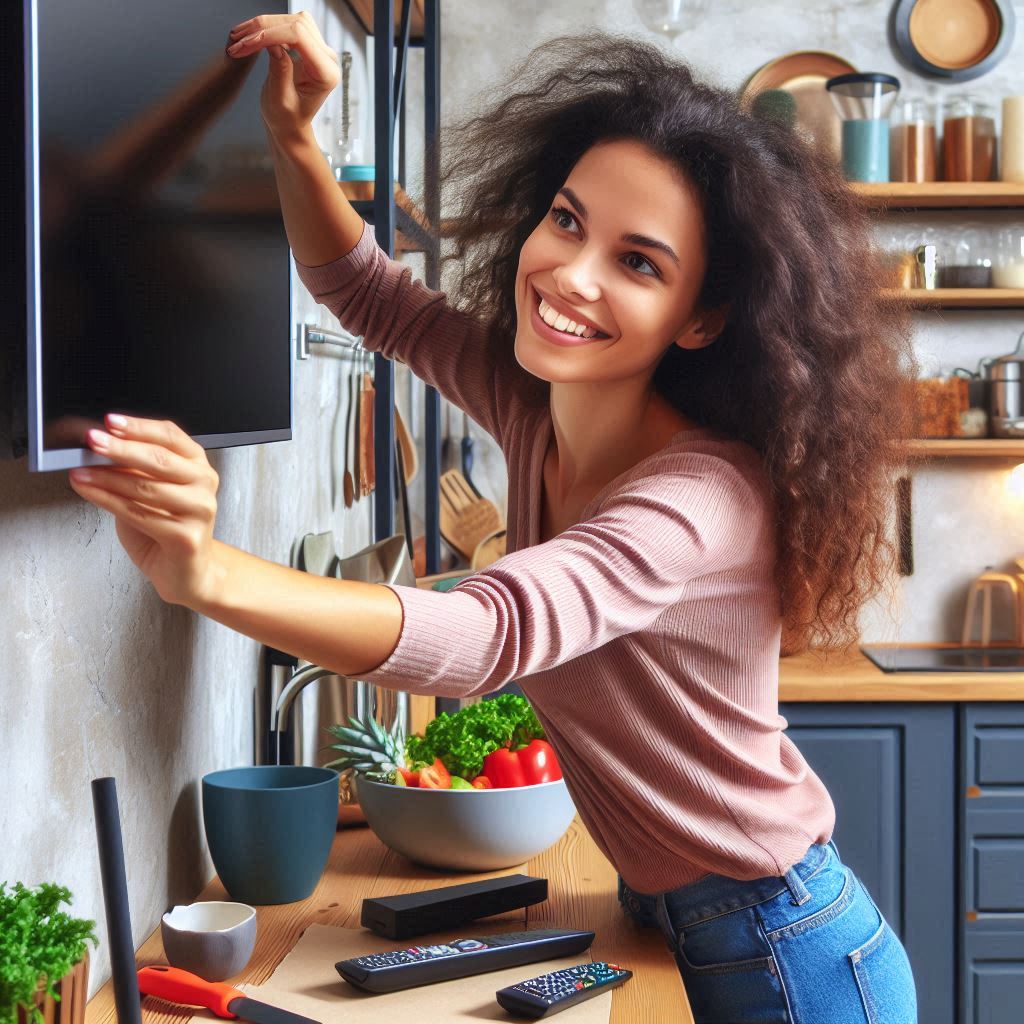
pixel 884 978
pixel 729 972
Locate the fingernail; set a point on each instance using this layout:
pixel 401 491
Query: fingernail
pixel 235 47
pixel 82 475
pixel 116 420
pixel 98 439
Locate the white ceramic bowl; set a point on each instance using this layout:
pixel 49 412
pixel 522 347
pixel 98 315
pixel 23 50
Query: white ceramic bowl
pixel 467 830
pixel 213 939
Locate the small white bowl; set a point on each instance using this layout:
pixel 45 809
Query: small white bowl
pixel 467 830
pixel 214 939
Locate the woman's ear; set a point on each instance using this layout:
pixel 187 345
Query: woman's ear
pixel 704 328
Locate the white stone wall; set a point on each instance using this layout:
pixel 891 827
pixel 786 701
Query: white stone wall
pixel 99 677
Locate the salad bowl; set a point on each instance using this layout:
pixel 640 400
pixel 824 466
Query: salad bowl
pixel 467 829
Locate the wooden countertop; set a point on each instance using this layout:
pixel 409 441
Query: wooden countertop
pixel 852 677
pixel 581 894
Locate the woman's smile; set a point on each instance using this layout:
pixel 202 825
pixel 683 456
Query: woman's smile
pixel 559 327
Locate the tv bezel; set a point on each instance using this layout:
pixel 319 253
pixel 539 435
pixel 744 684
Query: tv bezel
pixel 41 459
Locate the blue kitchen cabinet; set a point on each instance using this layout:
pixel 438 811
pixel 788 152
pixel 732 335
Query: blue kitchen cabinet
pixel 990 912
pixel 891 769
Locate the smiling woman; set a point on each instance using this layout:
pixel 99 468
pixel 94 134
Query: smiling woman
pixel 732 269
pixel 669 321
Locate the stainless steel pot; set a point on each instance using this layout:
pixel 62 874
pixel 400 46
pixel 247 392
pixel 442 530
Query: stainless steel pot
pixel 1004 392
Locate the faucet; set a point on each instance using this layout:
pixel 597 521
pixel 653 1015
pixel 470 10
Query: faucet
pixel 280 740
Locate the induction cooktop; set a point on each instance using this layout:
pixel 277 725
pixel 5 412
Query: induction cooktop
pixel 946 659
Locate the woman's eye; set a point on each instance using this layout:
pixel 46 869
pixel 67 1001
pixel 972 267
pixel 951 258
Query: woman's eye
pixel 563 218
pixel 641 262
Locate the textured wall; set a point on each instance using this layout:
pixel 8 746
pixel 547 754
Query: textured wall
pixel 100 677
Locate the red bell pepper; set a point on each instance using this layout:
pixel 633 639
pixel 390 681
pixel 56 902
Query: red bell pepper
pixel 527 766
pixel 435 776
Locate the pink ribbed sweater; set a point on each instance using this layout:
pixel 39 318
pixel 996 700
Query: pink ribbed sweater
pixel 646 636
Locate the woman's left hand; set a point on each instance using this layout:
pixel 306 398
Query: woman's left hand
pixel 162 491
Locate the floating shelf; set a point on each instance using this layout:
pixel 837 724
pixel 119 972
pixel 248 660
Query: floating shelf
pixel 981 448
pixel 959 298
pixel 363 10
pixel 949 195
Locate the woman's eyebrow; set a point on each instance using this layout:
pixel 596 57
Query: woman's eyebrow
pixel 643 240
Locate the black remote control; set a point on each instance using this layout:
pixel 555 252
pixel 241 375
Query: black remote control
pixel 551 993
pixel 422 965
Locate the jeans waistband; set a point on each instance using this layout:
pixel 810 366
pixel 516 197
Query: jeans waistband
pixel 715 895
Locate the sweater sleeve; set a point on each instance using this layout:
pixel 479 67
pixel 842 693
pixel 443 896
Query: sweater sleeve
pixel 610 575
pixel 376 298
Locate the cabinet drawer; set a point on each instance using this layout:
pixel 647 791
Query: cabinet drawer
pixel 993 749
pixel 994 976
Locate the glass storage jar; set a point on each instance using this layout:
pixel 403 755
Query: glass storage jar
pixel 1008 265
pixel 912 141
pixel 968 140
pixel 968 260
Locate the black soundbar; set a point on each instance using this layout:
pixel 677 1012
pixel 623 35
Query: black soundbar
pixel 434 910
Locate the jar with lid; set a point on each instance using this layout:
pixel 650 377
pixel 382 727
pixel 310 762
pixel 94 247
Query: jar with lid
pixel 968 260
pixel 968 140
pixel 912 141
pixel 1008 265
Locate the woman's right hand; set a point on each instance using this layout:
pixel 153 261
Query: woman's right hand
pixel 295 89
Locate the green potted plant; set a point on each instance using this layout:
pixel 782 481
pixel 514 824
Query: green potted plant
pixel 43 955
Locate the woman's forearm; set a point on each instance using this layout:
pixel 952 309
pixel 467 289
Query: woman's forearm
pixel 320 222
pixel 344 625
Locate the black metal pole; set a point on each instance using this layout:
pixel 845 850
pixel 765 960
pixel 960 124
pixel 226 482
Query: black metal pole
pixel 432 200
pixel 384 228
pixel 115 902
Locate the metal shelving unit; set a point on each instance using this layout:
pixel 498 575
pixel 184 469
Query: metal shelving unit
pixel 390 221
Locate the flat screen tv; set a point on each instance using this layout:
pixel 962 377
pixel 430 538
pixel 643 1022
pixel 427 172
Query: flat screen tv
pixel 154 265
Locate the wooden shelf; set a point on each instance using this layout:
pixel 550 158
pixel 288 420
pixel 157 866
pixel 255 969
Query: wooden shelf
pixel 959 298
pixel 948 195
pixel 363 10
pixel 957 447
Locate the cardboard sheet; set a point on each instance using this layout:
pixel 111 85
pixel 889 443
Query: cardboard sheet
pixel 306 982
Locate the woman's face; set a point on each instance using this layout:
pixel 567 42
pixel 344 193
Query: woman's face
pixel 620 254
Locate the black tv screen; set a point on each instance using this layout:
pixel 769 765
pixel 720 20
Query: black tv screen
pixel 157 268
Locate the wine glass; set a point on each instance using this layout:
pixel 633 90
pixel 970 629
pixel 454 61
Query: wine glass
pixel 670 17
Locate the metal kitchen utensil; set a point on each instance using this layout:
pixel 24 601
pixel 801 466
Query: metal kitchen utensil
pixel 177 986
pixel 467 454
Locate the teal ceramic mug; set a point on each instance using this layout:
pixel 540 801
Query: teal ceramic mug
pixel 270 828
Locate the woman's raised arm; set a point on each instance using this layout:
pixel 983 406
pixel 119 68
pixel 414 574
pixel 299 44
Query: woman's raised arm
pixel 320 222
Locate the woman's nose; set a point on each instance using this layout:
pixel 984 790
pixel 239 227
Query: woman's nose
pixel 578 277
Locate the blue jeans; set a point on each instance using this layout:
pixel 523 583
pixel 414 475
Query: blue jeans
pixel 807 947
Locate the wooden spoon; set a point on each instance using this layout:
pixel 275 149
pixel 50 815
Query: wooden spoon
pixel 367 469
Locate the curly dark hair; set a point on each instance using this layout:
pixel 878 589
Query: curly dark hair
pixel 814 366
